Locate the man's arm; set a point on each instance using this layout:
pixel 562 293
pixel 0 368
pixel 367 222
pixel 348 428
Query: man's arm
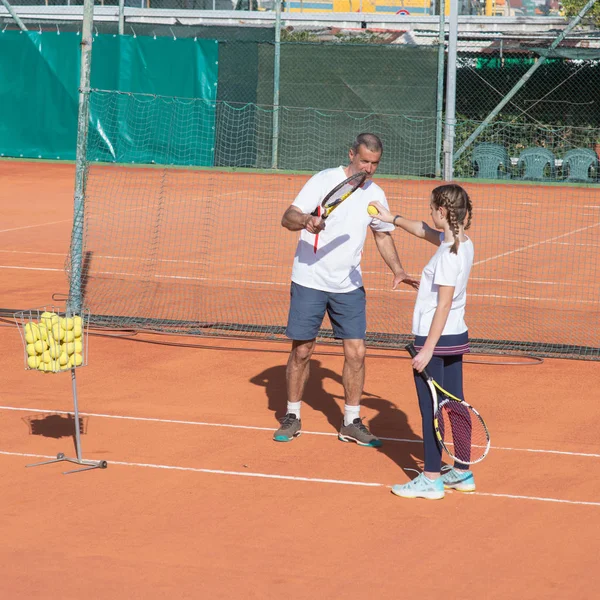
pixel 295 220
pixel 387 249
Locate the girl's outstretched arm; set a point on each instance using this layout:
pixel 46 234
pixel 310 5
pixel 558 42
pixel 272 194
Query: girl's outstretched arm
pixel 419 229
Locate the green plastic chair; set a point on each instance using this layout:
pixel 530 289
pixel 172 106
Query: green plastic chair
pixel 491 161
pixel 579 164
pixel 537 164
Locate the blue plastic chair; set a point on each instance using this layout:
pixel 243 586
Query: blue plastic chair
pixel 537 164
pixel 491 161
pixel 580 164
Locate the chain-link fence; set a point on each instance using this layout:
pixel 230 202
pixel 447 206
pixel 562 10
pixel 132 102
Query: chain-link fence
pixel 556 111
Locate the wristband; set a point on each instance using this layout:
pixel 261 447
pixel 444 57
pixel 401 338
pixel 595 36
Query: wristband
pixel 394 221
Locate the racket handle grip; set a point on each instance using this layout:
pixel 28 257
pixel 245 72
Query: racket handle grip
pixel 410 348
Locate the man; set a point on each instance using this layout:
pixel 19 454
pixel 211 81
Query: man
pixel 326 277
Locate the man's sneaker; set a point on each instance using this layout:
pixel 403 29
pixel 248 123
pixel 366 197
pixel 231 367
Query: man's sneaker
pixel 358 432
pixel 461 481
pixel 421 487
pixel 290 428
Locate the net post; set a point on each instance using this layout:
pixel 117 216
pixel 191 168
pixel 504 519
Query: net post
pixel 451 94
pixel 538 63
pixel 75 300
pixel 276 71
pixel 440 89
pixel 121 17
pixel 14 15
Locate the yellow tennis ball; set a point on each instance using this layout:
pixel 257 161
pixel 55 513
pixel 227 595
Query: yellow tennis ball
pixel 32 333
pixel 33 362
pixel 69 323
pixel 58 333
pixel 78 346
pixel 63 359
pixel 44 366
pixel 39 346
pixel 69 335
pixel 372 210
pixel 77 331
pixel 77 359
pixel 31 351
pixel 43 331
pixel 49 319
pixel 55 351
pixel 69 347
pixel 46 356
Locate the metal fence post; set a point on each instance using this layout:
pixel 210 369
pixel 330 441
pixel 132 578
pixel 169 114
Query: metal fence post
pixel 76 259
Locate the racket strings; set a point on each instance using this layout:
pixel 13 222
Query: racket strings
pixel 339 195
pixel 463 432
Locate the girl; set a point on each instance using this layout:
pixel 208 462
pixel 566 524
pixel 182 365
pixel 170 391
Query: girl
pixel 441 336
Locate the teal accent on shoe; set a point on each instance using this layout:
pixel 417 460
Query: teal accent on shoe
pixel 461 481
pixel 421 487
pixel 290 429
pixel 359 433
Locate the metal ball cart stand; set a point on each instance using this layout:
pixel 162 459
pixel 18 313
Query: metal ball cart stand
pixel 55 340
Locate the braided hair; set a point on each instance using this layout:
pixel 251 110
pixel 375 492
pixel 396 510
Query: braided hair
pixel 458 205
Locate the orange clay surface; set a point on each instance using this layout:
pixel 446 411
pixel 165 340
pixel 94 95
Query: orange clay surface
pixel 199 502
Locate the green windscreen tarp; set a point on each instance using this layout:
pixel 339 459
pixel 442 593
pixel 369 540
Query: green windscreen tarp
pixel 39 81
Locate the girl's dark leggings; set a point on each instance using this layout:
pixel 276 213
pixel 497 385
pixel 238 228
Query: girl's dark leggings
pixel 448 372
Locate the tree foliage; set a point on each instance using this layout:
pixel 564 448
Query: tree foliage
pixel 573 7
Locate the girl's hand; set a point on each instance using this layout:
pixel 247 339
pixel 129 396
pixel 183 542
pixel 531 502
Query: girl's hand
pixel 384 214
pixel 421 360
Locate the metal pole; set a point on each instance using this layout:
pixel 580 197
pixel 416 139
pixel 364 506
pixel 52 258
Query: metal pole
pixel 275 149
pixel 76 415
pixel 524 79
pixel 440 90
pixel 75 301
pixel 14 15
pixel 451 93
pixel 121 17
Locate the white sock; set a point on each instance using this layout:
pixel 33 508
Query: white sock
pixel 294 408
pixel 351 413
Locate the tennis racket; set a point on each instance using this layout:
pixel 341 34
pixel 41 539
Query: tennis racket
pixel 459 428
pixel 338 194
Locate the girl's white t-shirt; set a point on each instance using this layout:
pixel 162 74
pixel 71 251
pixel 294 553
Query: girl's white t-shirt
pixel 449 269
pixel 332 262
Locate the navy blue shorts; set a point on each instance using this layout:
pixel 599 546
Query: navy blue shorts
pixel 347 313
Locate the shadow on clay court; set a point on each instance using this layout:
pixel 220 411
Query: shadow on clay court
pixel 55 426
pixel 389 421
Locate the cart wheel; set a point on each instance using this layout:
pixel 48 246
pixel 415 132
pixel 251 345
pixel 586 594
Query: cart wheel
pixel 103 464
pixel 60 455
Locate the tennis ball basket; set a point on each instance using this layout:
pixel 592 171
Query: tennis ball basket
pixel 55 340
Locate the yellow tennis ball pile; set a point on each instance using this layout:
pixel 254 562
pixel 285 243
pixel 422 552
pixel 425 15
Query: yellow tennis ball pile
pixel 372 210
pixel 55 343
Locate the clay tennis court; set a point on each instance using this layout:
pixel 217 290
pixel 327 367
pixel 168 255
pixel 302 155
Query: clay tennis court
pixel 198 501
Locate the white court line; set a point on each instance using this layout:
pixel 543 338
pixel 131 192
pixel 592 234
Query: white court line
pixel 34 226
pixel 548 241
pixel 265 266
pixel 287 283
pixel 255 428
pixel 31 268
pixel 296 478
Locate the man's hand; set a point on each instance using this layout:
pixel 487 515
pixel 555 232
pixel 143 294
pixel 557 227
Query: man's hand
pixel 405 278
pixel 295 220
pixel 314 224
